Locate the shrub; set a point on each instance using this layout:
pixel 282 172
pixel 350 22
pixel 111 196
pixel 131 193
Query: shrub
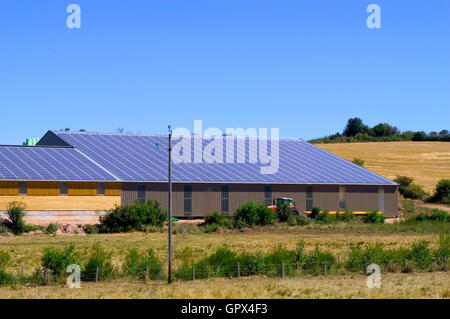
pixel 283 212
pixel 358 161
pixel 4 262
pixel 266 215
pixel 436 215
pixel 52 228
pixel 444 246
pixel 215 221
pixel 16 213
pixel 414 191
pixel 133 217
pixel 136 264
pixel 292 220
pixel 373 217
pixel 314 262
pixel 216 218
pixel 323 217
pixel 302 220
pixel 345 216
pixel 57 260
pixel 408 205
pixel 91 229
pixel 100 259
pixel 314 211
pixel 421 255
pixel 252 214
pixel 442 192
pixel 5 258
pixel 403 182
pixel 247 214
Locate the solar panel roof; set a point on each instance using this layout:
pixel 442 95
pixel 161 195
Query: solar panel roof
pixel 136 158
pixel 49 164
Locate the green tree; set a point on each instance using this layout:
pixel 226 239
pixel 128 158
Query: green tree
pixel 354 126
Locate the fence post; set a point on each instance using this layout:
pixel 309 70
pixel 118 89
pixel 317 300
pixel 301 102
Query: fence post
pixel 239 270
pixel 282 270
pixel 325 268
pixel 146 273
pixel 21 272
pixel 45 276
pixel 13 282
pixel 365 266
pixel 445 263
pixel 193 272
pixel 339 259
pixel 96 274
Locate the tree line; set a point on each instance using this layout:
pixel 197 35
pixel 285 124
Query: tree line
pixel 357 131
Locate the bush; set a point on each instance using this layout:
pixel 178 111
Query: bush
pixel 266 215
pixel 408 206
pixel 133 217
pixel 373 217
pixel 421 255
pixel 345 216
pixel 215 221
pixel 16 213
pixel 358 161
pixel 414 191
pixel 302 220
pixel 323 217
pixel 283 212
pixel 5 258
pixel 436 215
pixel 91 229
pixel 292 220
pixel 403 182
pixel 252 214
pixel 52 228
pixel 314 212
pixel 247 214
pixel 442 192
pixel 57 260
pixel 136 264
pixel 100 259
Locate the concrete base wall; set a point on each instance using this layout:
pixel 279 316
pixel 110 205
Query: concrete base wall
pixel 62 217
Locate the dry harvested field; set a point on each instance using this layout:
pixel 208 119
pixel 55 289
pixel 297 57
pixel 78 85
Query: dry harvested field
pixel 426 162
pixel 393 285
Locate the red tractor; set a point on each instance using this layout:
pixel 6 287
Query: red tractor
pixel 284 201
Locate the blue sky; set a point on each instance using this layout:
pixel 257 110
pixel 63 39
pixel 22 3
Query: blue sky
pixel 303 66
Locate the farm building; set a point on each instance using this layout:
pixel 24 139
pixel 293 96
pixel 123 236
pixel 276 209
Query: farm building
pixel 83 174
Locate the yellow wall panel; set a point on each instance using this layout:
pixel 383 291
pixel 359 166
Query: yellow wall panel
pixel 82 189
pixel 112 189
pixel 9 188
pixel 43 188
pixel 62 203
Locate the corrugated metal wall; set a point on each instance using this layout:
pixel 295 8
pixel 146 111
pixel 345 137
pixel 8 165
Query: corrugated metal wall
pixel 206 198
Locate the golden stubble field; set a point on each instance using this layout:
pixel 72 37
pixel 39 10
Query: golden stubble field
pixel 426 162
pixel 393 285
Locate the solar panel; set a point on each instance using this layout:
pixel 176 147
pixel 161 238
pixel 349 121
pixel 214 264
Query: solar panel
pixel 49 164
pixel 136 158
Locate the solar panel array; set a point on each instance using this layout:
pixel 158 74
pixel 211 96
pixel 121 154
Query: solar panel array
pixel 49 164
pixel 136 158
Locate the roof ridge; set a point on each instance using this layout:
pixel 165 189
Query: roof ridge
pixel 57 132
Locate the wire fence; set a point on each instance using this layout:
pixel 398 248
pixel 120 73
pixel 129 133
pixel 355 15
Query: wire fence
pixel 185 272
